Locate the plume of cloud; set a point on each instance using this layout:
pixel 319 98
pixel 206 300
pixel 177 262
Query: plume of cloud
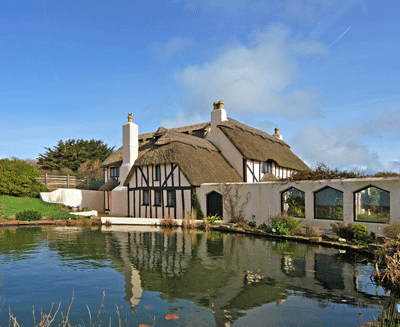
pixel 257 78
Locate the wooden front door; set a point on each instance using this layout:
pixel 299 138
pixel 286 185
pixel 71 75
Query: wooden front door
pixel 214 204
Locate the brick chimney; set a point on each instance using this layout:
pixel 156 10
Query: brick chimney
pixel 277 135
pixel 130 147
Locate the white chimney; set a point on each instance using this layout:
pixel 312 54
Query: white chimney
pixel 218 115
pixel 277 135
pixel 130 147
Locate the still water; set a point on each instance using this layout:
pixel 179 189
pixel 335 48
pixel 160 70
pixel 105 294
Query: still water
pixel 145 275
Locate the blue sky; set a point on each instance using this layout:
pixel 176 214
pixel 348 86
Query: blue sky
pixel 325 72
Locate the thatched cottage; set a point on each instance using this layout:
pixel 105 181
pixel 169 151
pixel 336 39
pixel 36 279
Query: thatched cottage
pixel 154 175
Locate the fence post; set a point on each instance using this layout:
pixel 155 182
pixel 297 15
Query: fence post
pixel 67 180
pixel 45 179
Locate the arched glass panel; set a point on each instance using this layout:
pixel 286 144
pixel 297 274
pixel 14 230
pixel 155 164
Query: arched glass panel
pixel 328 204
pixel 294 202
pixel 372 204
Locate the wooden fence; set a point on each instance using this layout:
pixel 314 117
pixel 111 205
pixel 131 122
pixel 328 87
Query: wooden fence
pixel 54 182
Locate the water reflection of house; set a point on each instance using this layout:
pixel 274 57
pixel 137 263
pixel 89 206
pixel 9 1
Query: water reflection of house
pixel 184 265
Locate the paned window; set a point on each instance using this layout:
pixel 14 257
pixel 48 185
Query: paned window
pixel 146 197
pixel 170 198
pixel 114 172
pixel 157 197
pixel 266 167
pixel 158 173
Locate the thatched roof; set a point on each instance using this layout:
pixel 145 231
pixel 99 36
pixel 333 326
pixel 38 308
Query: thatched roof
pixel 250 142
pixel 148 139
pixel 111 184
pixel 115 159
pixel 258 145
pixel 199 160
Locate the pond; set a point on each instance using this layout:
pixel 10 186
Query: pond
pixel 147 276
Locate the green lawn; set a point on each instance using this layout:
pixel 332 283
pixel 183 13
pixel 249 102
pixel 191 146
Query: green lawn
pixel 373 218
pixel 10 205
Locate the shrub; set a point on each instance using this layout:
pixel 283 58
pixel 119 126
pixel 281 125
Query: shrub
pixel 18 179
pixel 196 206
pixel 284 225
pixel 86 209
pixel 357 234
pixel 28 215
pixel 343 231
pixel 265 227
pixel 322 171
pixel 281 225
pixel 212 220
pixel 252 224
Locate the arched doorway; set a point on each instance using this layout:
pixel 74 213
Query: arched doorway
pixel 214 204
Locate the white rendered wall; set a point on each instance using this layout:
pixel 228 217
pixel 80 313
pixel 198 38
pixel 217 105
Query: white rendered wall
pixel 265 198
pixel 119 201
pixel 75 198
pixel 228 150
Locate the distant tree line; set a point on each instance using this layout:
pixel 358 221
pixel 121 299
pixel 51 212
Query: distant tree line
pixel 73 153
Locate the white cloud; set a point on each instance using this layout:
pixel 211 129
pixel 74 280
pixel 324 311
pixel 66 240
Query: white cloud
pixel 345 147
pixel 255 78
pixel 340 148
pixel 172 47
pixel 182 119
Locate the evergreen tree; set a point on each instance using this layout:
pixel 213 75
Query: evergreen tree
pixel 72 153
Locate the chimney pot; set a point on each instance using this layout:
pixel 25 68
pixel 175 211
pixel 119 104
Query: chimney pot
pixel 277 134
pixel 220 104
pixel 215 105
pixel 130 118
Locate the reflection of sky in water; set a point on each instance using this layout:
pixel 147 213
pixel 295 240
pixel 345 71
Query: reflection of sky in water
pixel 364 283
pixel 299 311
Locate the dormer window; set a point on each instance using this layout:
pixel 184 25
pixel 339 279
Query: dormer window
pixel 266 167
pixel 114 172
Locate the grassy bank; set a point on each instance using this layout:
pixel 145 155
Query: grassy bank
pixel 10 205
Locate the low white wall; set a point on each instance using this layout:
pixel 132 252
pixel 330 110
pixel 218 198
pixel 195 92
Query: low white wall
pixel 75 198
pixel 139 221
pixel 265 198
